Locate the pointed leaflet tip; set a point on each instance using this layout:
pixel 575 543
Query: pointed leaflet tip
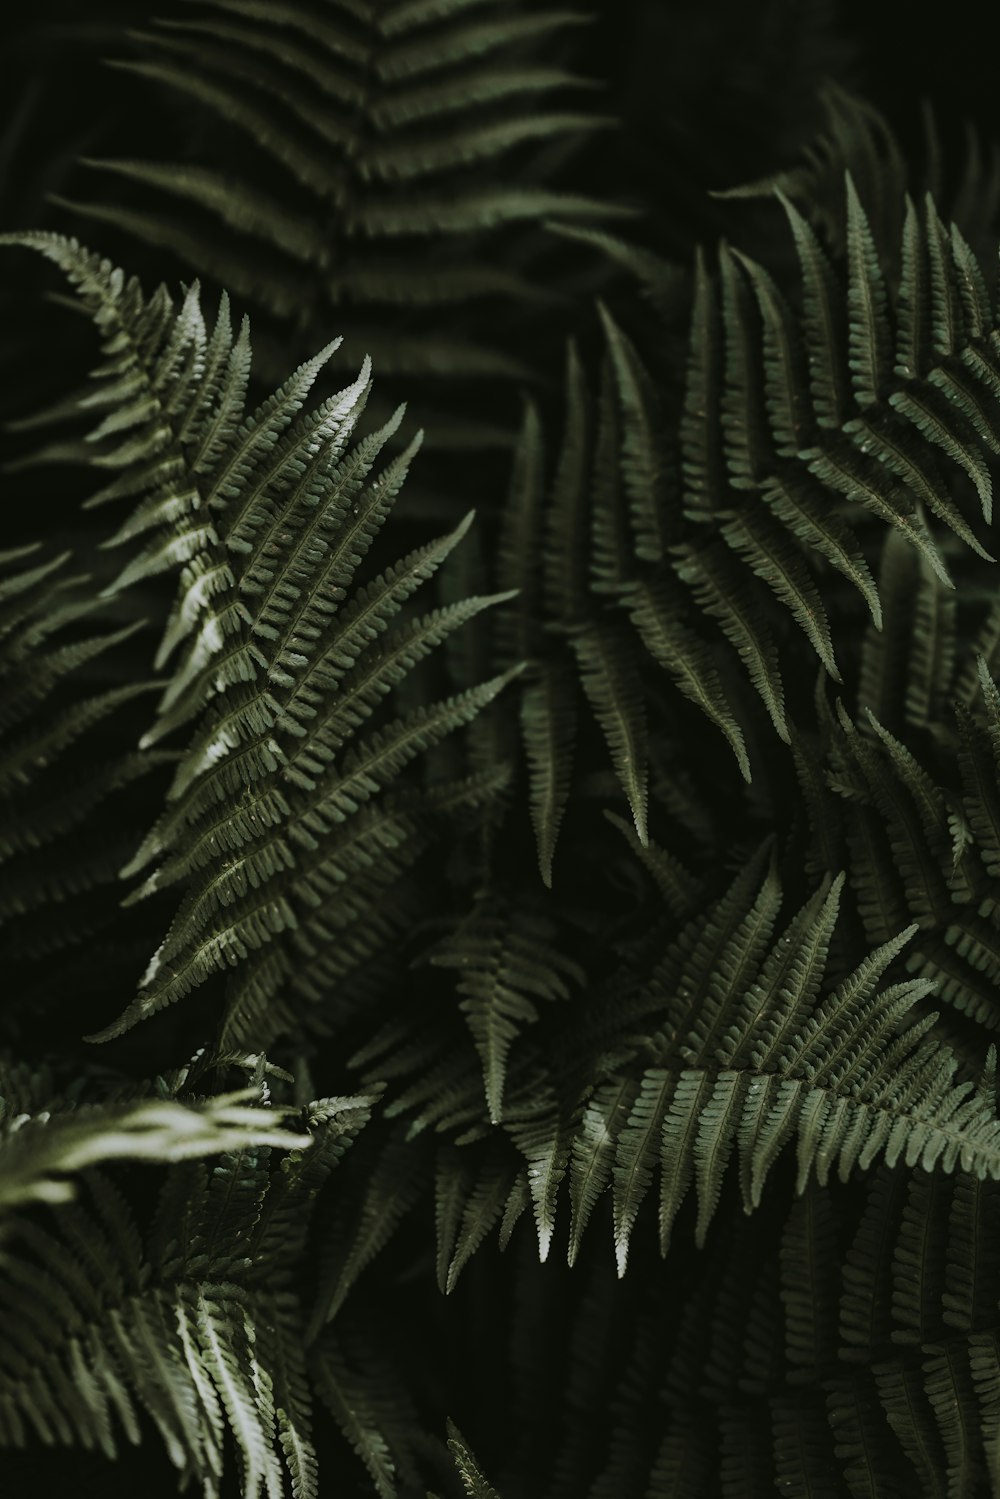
pixel 325 353
pixel 641 825
pixel 986 1088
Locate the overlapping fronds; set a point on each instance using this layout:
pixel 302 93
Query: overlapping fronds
pixel 194 1318
pixel 738 1049
pixel 42 1149
pixel 838 1365
pixel 586 555
pixel 62 695
pixel 851 1336
pixel 684 943
pixel 733 1046
pixel 267 519
pixel 895 414
pixel 875 402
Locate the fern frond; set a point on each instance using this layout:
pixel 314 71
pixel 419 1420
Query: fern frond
pixel 281 667
pixel 873 432
pixel 721 591
pixel 40 1162
pixel 918 849
pixel 344 1396
pixel 610 681
pixel 675 646
pixel 548 729
pixel 763 1060
pixel 506 962
pixel 183 1321
pixel 64 705
pixel 397 126
pixel 482 1198
pixel 473 1481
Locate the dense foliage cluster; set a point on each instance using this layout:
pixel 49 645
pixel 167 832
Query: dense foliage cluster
pixel 499 755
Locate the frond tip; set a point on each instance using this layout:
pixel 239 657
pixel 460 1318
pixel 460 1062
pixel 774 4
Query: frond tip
pixel 505 962
pixel 473 1481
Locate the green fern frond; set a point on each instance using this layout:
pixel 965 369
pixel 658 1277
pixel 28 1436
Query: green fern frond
pixel 611 684
pixel 549 729
pixel 65 700
pixel 720 590
pixel 473 1481
pixel 281 667
pixel 185 1323
pixel 919 850
pixel 394 126
pixel 688 660
pixel 506 963
pixel 937 399
pixel 470 1203
pixel 762 1059
pixel 643 459
pixel 41 1160
pixel 260 722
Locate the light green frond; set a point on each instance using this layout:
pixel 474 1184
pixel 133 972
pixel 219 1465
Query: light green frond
pixel 868 327
pixel 170 1322
pixel 545 1145
pixel 593 1147
pixel 768 1060
pixel 40 1162
pixel 473 1481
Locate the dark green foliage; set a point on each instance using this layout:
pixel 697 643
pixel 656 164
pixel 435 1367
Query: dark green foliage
pixel 377 1018
pixel 366 170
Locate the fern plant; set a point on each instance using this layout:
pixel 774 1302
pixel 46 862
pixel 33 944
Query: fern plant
pixel 499 1007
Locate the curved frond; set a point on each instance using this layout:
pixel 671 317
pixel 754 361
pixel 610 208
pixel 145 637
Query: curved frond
pixel 281 665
